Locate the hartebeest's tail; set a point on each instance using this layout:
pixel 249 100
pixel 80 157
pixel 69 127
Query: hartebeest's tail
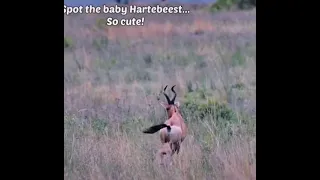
pixel 156 128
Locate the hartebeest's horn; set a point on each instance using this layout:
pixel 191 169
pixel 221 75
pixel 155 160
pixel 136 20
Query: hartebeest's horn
pixel 175 94
pixel 164 89
pixel 164 93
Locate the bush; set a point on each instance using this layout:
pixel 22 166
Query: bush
pixel 228 4
pixel 99 125
pixel 223 5
pixel 68 43
pixel 247 4
pixel 101 43
pixel 219 111
pixel 210 119
pixel 199 105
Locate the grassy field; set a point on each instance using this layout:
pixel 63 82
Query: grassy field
pixel 113 75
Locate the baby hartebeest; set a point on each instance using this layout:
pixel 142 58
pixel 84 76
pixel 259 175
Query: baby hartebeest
pixel 173 130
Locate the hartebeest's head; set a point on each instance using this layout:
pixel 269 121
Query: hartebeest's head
pixel 171 106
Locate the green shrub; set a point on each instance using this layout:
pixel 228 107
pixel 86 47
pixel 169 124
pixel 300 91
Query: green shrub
pixel 199 106
pixel 136 74
pixel 148 60
pixel 247 4
pixel 101 43
pixel 210 119
pixel 99 125
pixel 223 5
pixel 219 111
pixel 238 58
pixel 68 43
pixel 131 126
pixel 228 4
pixel 101 23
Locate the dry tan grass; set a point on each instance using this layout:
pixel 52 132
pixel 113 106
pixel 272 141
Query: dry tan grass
pixel 107 156
pixel 160 30
pixel 167 29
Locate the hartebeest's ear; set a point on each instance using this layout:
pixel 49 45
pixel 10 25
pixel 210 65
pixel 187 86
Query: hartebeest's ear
pixel 163 104
pixel 177 103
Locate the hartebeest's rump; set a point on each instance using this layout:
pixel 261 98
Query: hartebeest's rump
pixel 173 130
pixel 171 135
pixel 167 149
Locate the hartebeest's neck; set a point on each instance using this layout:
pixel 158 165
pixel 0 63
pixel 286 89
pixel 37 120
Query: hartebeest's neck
pixel 173 110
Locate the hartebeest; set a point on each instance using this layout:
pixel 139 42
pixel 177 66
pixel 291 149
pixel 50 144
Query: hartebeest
pixel 167 150
pixel 164 155
pixel 173 130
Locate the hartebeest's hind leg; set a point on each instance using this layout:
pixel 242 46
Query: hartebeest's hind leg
pixel 178 147
pixel 175 146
